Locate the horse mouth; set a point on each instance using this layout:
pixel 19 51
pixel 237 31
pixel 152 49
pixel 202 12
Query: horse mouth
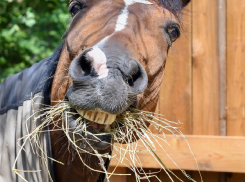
pixel 91 130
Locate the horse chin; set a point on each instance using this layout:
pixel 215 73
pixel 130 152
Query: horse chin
pixel 88 135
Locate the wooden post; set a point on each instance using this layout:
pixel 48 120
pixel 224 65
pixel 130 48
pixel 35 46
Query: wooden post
pixel 235 74
pixel 222 65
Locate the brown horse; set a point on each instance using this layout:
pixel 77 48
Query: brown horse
pixel 113 57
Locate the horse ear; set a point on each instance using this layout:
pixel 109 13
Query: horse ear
pixel 185 2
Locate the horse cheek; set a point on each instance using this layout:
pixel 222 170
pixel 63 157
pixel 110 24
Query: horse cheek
pixel 61 81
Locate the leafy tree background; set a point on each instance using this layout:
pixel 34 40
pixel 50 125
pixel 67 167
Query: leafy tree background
pixel 30 30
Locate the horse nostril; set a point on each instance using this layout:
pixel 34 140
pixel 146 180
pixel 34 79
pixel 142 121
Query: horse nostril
pixel 85 65
pixel 81 66
pixel 133 78
pixel 137 78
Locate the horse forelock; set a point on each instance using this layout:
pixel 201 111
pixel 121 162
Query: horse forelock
pixel 174 6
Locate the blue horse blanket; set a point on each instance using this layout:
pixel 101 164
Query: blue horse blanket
pixel 21 95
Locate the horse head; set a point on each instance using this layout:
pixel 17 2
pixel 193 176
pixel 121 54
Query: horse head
pixel 113 58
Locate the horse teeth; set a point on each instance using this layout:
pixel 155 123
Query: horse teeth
pixel 100 118
pixel 89 115
pixel 81 112
pixel 110 119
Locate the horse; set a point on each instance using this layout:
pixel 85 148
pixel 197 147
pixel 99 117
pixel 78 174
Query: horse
pixel 112 58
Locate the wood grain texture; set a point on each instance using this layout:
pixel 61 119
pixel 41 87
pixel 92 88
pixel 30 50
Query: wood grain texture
pixel 236 68
pixel 235 74
pixel 205 68
pixel 213 153
pixel 119 170
pixel 153 175
pixel 175 96
pixel 235 177
pixel 165 178
pixel 207 176
pixel 151 127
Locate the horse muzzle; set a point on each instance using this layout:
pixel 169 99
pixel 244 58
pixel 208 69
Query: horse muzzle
pixel 105 80
pixel 105 84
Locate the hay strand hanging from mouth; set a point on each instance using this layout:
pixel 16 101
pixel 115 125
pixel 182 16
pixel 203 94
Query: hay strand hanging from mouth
pixel 129 126
pixel 136 120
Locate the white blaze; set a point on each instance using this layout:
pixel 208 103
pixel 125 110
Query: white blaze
pixel 122 20
pixel 123 17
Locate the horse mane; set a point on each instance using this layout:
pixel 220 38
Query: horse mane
pixel 174 6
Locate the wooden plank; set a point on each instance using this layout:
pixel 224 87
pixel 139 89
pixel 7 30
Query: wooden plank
pixel 175 96
pixel 205 68
pixel 165 178
pixel 153 175
pixel 130 178
pixel 151 127
pixel 235 68
pixel 235 74
pixel 213 153
pixel 207 176
pixel 235 177
pixel 119 170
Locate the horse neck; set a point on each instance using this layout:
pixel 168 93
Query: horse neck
pixel 74 166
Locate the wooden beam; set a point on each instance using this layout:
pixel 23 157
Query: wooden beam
pixel 213 153
pixel 235 74
pixel 235 68
pixel 118 178
pixel 205 68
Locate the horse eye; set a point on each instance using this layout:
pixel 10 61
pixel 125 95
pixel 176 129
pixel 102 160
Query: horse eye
pixel 173 33
pixel 75 8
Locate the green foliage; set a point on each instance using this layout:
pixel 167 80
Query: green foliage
pixel 30 30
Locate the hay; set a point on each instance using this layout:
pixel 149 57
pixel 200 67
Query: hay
pixel 129 126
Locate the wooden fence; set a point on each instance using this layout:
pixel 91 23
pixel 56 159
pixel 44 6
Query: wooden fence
pixel 204 88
